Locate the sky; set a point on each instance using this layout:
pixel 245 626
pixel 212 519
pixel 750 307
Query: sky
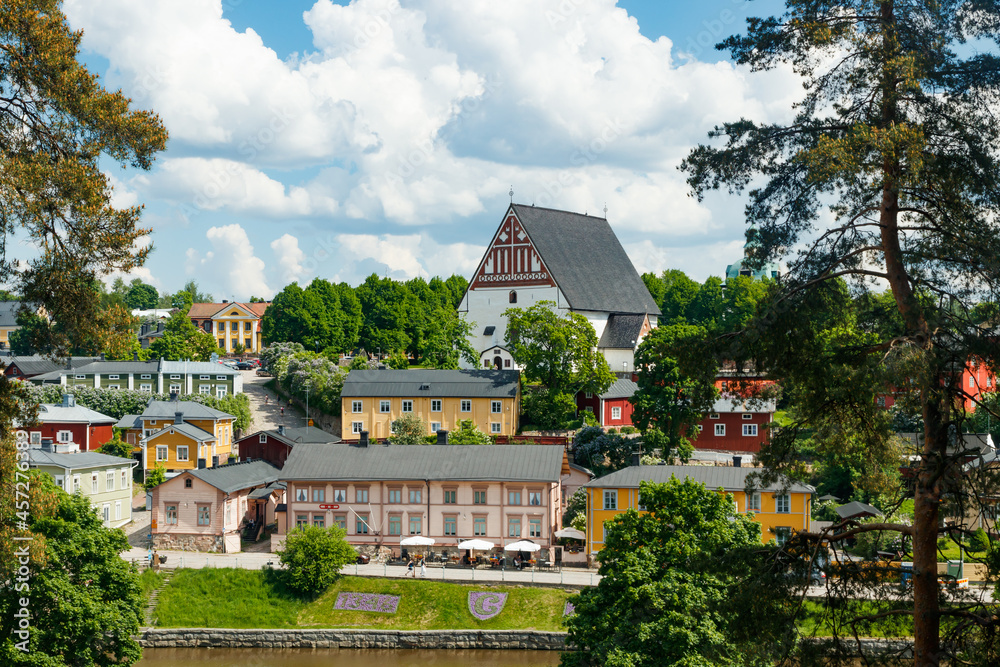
pixel 336 140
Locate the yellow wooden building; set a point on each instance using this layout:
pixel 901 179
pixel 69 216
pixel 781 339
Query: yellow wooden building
pixel 779 511
pixel 233 324
pixel 182 435
pixel 372 400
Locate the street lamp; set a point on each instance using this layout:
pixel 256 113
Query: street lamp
pixel 307 405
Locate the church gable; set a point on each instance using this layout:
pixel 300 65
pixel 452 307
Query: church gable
pixel 512 260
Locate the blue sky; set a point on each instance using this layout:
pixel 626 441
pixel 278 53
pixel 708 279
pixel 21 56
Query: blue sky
pixel 319 139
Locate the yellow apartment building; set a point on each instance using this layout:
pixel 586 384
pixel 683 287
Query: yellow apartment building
pixel 372 400
pixel 780 512
pixel 232 323
pixel 183 435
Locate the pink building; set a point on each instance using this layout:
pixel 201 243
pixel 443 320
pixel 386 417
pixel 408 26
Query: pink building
pixel 381 494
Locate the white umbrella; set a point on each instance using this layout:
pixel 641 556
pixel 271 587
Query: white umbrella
pixel 480 545
pixel 523 545
pixel 571 533
pixel 417 541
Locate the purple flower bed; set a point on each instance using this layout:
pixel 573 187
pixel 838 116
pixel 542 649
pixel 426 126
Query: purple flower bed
pixel 568 609
pixel 485 605
pixel 385 604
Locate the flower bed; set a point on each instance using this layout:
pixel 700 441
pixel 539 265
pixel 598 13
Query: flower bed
pixel 568 609
pixel 384 604
pixel 485 605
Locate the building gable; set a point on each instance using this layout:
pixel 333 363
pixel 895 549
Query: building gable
pixel 512 260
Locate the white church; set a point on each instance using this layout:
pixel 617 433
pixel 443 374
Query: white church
pixel 574 260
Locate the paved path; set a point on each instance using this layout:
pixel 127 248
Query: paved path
pixel 256 561
pixel 267 413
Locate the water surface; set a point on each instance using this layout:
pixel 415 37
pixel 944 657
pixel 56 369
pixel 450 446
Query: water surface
pixel 323 657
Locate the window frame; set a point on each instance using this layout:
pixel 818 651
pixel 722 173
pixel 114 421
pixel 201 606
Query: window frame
pixel 782 503
pixel 435 405
pixel 185 448
pixel 170 514
pixel 609 495
pixel 465 405
pixel 166 453
pixel 749 430
pixel 357 407
pixel 720 430
pixel 406 405
pixel 384 406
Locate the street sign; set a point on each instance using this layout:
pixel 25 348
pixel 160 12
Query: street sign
pixel 329 507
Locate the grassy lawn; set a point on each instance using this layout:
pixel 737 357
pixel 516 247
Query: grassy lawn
pixel 232 598
pixel 148 581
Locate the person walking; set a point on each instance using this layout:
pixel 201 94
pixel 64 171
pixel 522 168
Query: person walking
pixel 282 410
pixel 409 567
pixel 423 569
pixel 266 399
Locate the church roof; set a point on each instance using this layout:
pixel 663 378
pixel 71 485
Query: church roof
pixel 622 332
pixel 586 260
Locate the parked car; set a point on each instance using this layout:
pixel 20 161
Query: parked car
pixel 263 372
pixel 244 365
pixel 363 559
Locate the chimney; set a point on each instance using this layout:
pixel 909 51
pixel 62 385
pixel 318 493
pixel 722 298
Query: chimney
pixel 442 437
pixel 144 329
pixel 102 356
pixel 201 463
pixel 69 401
pixel 225 301
pixel 363 442
pixel 46 444
pixel 161 326
pixel 636 458
pixel 281 429
pixel 215 461
pixel 135 356
pixel 178 417
pixel 174 396
pixel 737 461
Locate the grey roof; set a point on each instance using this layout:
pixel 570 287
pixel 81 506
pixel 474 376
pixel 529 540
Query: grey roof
pixel 8 313
pixel 191 431
pixel 76 414
pixel 266 491
pixel 118 367
pixel 77 461
pixel 622 331
pixel 971 442
pixel 235 476
pixel 190 409
pixel 728 403
pixel 713 477
pixel 52 376
pixel 129 421
pixel 586 260
pixel 528 463
pixel 293 436
pixel 37 364
pixel 408 383
pixel 621 388
pixel 855 508
pixel 197 367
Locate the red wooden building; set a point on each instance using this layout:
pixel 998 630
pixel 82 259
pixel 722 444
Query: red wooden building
pixel 613 408
pixel 274 446
pixel 70 422
pixel 739 427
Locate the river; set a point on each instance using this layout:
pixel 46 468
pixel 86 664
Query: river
pixel 305 657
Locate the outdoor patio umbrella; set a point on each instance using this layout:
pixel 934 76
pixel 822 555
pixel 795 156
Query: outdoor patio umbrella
pixel 571 533
pixel 417 541
pixel 523 545
pixel 476 545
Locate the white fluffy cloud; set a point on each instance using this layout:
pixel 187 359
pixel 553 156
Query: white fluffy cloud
pixel 290 257
pixel 229 264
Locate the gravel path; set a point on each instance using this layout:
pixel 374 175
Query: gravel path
pixel 267 414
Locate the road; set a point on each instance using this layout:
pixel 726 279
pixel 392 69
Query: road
pixel 265 406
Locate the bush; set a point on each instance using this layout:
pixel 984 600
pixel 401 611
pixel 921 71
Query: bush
pixel 547 409
pixel 313 558
pixel 979 541
pixel 468 434
pixel 629 430
pixel 155 477
pixel 409 429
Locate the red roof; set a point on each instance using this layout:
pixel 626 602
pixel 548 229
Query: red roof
pixel 204 311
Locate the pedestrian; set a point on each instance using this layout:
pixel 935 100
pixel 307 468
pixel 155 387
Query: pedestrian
pixel 282 410
pixel 409 566
pixel 423 569
pixel 266 399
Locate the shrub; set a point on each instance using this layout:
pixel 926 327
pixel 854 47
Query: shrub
pixel 155 477
pixel 409 429
pixel 313 558
pixel 979 541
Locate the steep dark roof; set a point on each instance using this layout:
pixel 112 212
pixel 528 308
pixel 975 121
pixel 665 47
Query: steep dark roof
pixel 119 367
pixel 408 383
pixel 856 508
pixel 37 364
pixel 713 477
pixel 528 463
pixel 587 261
pixel 294 436
pixel 235 476
pixel 621 331
pixel 190 430
pixel 129 421
pixel 622 388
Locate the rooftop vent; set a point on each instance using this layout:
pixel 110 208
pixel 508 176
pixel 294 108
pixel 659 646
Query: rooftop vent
pixel 425 387
pixel 68 401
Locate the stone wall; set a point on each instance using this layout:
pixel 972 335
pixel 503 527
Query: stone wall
pixel 188 542
pixel 382 639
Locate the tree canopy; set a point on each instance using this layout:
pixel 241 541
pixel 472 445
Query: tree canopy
pixel 313 558
pixel 888 172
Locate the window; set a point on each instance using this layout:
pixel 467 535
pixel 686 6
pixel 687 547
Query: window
pixel 512 297
pixel 435 427
pixel 357 427
pixel 494 427
pixel 148 388
pixel 175 388
pixel 36 437
pixel 171 512
pixel 361 495
pixel 534 527
pixel 450 497
pixel 479 497
pixel 700 428
pixel 262 438
pixel 187 483
pixel 486 363
pixel 753 502
pixel 80 377
pixel 395 496
pixel 204 377
pixel 514 527
pixel 220 377
pixel 479 526
pixel 395 525
pixel 114 386
pixel 109 481
pixel 319 520
pixel 205 389
pixel 175 377
pixel 182 453
pixel 416 495
pixel 496 407
pixel 616 412
pixel 610 499
pixel 76 483
pixel 340 521
pixel 435 405
pixel 534 497
pixel 361 525
pixel 407 406
pixel 781 535
pixel 247 343
pixel 118 510
pixel 319 495
pixel 749 429
pixel 220 392
pixel 236 341
pixel 125 483
pixel 161 452
pixel 147 376
pixel 65 436
pixel 301 495
pixel 204 517
pixel 641 506
pixel 782 503
pixel 112 377
pixel 450 525
pixel 506 363
pixel 222 345
pixel 93 483
pixel 339 495
pixel 247 326
pixel 355 406
pixel 466 405
pixel 416 523
pixel 383 406
pixel 714 415
pixel 720 429
pixel 972 382
pixel 747 416
pixel 513 497
pixel 588 394
pixel 301 520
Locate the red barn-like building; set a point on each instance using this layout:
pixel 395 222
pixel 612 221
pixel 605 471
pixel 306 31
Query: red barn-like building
pixel 736 428
pixel 613 408
pixel 70 422
pixel 275 446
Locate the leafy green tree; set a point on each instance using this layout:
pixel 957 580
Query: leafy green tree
pixel 142 296
pixel 384 310
pixel 181 339
pixel 896 137
pixel 313 558
pixel 468 434
pixel 979 541
pixel 678 294
pixel 85 600
pixel 398 360
pixel 547 409
pixel 409 429
pixel 676 588
pixel 448 341
pixel 576 504
pixel 296 316
pixel 155 476
pixel 602 452
pixel 116 446
pixel 32 327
